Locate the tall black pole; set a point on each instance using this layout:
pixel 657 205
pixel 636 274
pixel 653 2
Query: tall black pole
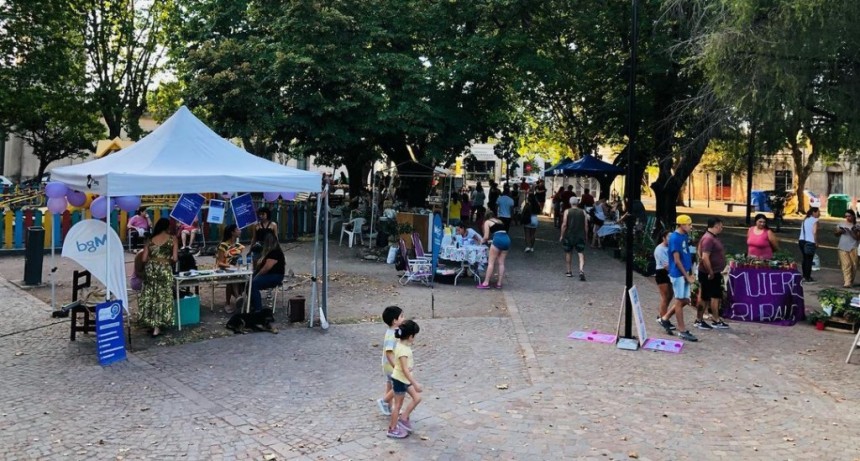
pixel 750 155
pixel 631 188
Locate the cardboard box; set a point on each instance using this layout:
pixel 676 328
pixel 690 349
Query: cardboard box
pixel 189 308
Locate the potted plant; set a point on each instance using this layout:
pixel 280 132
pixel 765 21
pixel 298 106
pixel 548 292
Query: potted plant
pixel 817 318
pixel 834 301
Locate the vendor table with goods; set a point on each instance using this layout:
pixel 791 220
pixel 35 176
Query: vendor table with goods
pixel 764 292
pixel 470 257
pixel 214 277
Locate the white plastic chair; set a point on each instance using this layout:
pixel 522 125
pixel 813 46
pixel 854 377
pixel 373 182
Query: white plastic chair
pixel 353 230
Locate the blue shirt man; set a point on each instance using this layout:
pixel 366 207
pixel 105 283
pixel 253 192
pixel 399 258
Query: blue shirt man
pixel 679 242
pixel 505 205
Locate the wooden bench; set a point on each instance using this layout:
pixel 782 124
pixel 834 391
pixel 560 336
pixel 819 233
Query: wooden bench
pixel 730 205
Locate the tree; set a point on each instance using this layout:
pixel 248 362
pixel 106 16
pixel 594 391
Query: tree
pixel 123 39
pixel 794 63
pixel 46 74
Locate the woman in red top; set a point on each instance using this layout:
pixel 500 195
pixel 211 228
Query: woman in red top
pixel 761 242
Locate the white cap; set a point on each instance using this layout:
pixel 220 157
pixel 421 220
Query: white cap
pixel 574 201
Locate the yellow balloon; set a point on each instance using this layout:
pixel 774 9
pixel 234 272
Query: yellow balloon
pixel 89 201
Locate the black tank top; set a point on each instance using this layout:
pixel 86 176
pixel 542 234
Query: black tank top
pixel 496 227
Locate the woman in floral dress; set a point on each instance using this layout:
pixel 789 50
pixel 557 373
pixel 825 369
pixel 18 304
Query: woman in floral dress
pixel 156 299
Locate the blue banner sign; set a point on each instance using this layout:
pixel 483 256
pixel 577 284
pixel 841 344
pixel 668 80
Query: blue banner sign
pixel 243 210
pixel 110 338
pixel 437 241
pixel 186 209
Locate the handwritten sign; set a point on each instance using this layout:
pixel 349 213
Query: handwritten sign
pixel 764 295
pixel 637 314
pixel 186 209
pixel 243 210
pixel 109 333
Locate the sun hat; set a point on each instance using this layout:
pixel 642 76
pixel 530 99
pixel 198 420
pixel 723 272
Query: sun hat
pixel 683 220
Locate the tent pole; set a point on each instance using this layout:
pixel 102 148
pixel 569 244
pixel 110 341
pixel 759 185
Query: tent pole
pixel 314 288
pixel 53 264
pixel 107 259
pixel 324 305
pixel 373 202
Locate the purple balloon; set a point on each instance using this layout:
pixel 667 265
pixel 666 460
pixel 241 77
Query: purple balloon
pixel 57 205
pixel 76 198
pixel 56 190
pixel 271 196
pixel 97 208
pixel 289 196
pixel 128 203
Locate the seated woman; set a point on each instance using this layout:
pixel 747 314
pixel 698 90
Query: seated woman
pixel 138 227
pixel 761 242
pixel 268 270
pixel 468 235
pixel 227 256
pixel 187 233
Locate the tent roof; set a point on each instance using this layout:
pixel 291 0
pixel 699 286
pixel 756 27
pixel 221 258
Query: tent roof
pixel 184 156
pixel 588 165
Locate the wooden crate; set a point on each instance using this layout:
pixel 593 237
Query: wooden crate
pixel 841 325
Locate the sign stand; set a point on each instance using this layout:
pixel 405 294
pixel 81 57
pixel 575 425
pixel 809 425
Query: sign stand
pixel 632 344
pixel 855 343
pixel 627 344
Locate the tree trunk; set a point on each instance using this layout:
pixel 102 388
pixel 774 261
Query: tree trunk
pixel 802 170
pixel 356 183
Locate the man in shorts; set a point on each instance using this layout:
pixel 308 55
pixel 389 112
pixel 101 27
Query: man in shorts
pixel 574 227
pixel 680 263
pixel 711 265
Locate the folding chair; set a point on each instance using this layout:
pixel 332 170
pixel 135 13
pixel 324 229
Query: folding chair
pixel 419 248
pixel 417 270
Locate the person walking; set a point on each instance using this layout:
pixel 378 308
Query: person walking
pixel 808 242
pixel 493 197
pixel 574 228
pixel 849 235
pixel 680 264
pixel 500 243
pixel 530 222
pixel 711 266
pixel 477 197
pixel 540 195
pixel 557 209
pixel 661 277
pixel 505 207
pixel 403 381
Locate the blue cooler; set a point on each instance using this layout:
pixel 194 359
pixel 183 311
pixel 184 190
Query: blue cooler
pixel 189 308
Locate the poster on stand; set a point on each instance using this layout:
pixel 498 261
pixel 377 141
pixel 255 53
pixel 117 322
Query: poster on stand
pixel 216 212
pixel 110 338
pixel 187 207
pixel 243 210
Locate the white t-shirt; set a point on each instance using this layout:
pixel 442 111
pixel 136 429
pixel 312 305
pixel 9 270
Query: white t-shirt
pixel 806 229
pixel 661 256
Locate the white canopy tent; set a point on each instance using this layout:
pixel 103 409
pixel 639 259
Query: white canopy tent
pixel 183 155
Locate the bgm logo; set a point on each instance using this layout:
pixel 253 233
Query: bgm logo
pixel 91 246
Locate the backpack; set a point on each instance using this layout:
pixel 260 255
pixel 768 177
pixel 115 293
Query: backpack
pixel 399 262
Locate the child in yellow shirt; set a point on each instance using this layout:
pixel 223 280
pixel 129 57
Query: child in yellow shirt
pixel 404 382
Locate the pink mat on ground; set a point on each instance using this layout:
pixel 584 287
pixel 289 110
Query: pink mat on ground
pixel 665 345
pixel 593 336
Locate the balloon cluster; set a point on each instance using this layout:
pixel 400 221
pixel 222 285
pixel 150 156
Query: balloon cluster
pixel 60 197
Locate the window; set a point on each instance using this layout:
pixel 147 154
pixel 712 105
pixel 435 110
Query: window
pixel 782 180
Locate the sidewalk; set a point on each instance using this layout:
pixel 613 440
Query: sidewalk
pixel 752 392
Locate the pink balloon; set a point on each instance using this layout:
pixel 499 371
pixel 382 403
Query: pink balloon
pixel 57 205
pixel 56 189
pixel 76 198
pixel 97 208
pixel 270 196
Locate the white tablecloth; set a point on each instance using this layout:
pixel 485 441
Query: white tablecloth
pixel 473 254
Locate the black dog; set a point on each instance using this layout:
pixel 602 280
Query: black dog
pixel 255 321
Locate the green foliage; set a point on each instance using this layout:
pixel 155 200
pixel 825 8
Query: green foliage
pixel 45 85
pixel 840 302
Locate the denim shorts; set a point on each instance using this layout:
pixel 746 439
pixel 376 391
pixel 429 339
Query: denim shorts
pixel 399 387
pixel 502 241
pixel 681 287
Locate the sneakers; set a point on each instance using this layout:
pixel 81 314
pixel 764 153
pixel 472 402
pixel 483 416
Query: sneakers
pixel 582 276
pixel 667 325
pixel 529 250
pixel 671 325
pixel 384 408
pixel 568 274
pixel 405 425
pixel 399 432
pixel 687 336
pixel 702 325
pixel 721 325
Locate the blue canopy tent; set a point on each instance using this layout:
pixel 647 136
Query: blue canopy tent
pixel 591 166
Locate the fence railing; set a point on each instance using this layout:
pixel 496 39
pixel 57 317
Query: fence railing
pixel 294 220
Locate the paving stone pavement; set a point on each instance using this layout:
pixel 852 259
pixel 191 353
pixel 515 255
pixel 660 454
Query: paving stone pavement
pixel 753 392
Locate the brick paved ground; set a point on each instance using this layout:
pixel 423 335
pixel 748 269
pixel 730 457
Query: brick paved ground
pixel 753 392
